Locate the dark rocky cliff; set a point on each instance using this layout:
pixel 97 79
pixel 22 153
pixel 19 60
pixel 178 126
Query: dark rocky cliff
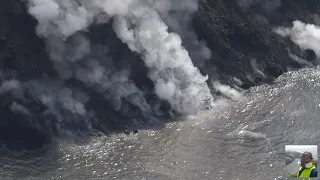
pixel 239 35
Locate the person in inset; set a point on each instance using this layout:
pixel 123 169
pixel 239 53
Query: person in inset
pixel 308 167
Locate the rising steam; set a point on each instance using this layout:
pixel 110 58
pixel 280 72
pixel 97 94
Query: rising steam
pixel 138 23
pixel 170 67
pixel 306 36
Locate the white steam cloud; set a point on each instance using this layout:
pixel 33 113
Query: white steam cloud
pixel 227 91
pixel 13 87
pixel 180 22
pixel 65 54
pixel 306 36
pixel 63 18
pixel 8 86
pixel 59 99
pixel 137 23
pixel 170 67
pixel 114 84
pixel 19 108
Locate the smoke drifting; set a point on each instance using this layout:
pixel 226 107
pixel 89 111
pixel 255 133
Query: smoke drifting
pixel 11 86
pixel 171 69
pixel 227 91
pixel 306 36
pixel 18 108
pixel 138 23
pixel 65 104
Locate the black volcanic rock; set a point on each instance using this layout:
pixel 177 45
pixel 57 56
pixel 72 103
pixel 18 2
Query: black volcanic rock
pixel 310 55
pixel 238 34
pixel 17 131
pixel 21 50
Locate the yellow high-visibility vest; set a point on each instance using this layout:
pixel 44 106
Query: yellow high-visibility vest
pixel 306 172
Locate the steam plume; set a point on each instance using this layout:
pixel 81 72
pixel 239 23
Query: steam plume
pixel 137 23
pixel 306 36
pixel 58 99
pixel 11 86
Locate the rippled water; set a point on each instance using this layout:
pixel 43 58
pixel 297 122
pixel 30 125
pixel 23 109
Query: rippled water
pixel 235 140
